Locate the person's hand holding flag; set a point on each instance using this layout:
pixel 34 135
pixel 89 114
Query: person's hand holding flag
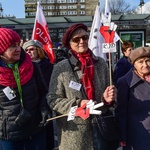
pixel 85 110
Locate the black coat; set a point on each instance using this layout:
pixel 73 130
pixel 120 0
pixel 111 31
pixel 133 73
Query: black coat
pixel 46 69
pixel 33 97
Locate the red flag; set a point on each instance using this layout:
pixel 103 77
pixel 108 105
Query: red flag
pixel 41 33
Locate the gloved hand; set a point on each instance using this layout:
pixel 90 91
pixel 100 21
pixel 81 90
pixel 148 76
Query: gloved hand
pixel 85 110
pixel 92 106
pixel 46 114
pixel 108 29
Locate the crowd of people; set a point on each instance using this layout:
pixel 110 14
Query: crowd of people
pixel 33 90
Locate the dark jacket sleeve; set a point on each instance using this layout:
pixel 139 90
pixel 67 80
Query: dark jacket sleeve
pixel 122 106
pixel 41 85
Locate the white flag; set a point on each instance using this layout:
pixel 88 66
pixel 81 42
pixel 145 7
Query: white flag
pixel 106 13
pixel 107 10
pixel 96 39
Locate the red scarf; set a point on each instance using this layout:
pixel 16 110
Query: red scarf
pixel 25 72
pixel 87 68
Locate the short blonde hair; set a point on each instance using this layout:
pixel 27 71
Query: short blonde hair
pixel 40 52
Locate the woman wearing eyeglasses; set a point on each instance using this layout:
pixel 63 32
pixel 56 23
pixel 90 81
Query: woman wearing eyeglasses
pixel 74 82
pixel 35 51
pixel 37 54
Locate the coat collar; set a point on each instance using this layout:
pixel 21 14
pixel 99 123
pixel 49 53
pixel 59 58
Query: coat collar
pixel 75 62
pixel 132 78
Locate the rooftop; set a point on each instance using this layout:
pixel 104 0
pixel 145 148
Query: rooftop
pixel 66 20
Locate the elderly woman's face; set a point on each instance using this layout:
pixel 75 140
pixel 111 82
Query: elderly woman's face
pixel 142 65
pixel 79 41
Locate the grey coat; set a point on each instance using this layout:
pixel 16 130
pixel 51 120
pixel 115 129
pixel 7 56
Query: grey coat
pixel 76 134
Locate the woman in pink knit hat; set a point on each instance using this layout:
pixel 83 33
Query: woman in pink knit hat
pixel 23 108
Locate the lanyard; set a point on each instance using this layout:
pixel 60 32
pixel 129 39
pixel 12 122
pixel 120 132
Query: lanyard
pixel 15 71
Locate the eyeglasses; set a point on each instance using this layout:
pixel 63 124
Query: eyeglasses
pixel 30 49
pixel 77 39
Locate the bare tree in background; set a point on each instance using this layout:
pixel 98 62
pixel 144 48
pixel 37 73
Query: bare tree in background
pixel 119 7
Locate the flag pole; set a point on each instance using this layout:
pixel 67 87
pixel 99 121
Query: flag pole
pixel 110 70
pixel 57 117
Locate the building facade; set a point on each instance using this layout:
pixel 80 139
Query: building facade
pixel 61 7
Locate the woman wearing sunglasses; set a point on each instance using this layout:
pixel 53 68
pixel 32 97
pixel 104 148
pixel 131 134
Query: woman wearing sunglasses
pixel 75 81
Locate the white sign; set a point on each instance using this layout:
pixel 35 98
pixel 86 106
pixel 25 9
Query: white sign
pixel 109 47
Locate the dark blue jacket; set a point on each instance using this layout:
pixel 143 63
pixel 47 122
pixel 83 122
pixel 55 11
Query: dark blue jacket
pixel 122 67
pixel 133 111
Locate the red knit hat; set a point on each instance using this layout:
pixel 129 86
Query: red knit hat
pixel 8 37
pixel 66 38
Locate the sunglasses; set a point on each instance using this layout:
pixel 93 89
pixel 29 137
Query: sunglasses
pixel 77 39
pixel 30 49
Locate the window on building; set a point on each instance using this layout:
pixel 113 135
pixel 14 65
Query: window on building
pixel 71 1
pixel 82 12
pixel 50 1
pixel 82 6
pixel 63 13
pixel 72 7
pixel 44 7
pixel 72 12
pixel 62 7
pixel 31 13
pixel 61 1
pixel 50 13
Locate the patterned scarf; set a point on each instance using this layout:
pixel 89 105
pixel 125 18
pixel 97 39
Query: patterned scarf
pixel 25 72
pixel 87 68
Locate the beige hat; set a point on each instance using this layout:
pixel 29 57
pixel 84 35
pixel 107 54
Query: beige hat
pixel 138 53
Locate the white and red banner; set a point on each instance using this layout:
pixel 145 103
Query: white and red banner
pixel 96 39
pixel 41 33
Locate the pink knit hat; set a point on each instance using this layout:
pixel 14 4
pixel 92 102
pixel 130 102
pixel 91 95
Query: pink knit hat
pixel 8 37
